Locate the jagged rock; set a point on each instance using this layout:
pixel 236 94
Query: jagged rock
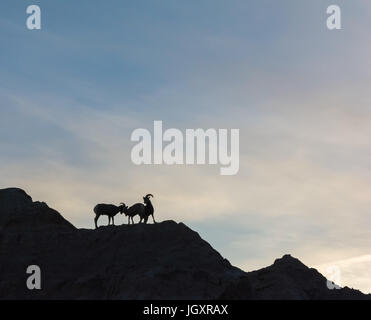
pixel 288 279
pixel 154 261
pixel 165 260
pixel 19 213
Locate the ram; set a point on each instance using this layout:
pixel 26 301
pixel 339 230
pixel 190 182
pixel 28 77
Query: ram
pixel 142 210
pixel 149 210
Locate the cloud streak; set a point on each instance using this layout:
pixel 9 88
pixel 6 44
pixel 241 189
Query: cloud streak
pixel 72 94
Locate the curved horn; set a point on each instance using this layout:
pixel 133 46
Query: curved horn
pixel 149 195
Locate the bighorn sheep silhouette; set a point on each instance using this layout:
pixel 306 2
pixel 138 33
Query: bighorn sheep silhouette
pixel 149 210
pixel 109 210
pixel 143 210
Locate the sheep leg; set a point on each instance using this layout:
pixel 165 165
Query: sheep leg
pixel 153 217
pixel 109 220
pixel 113 221
pixel 96 221
pixel 128 220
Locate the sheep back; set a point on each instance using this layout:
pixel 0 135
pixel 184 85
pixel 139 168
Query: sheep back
pixel 106 209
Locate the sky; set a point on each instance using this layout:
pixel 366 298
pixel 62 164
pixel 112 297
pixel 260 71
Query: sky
pixel 72 93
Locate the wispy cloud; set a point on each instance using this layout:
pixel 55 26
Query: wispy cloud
pixel 72 94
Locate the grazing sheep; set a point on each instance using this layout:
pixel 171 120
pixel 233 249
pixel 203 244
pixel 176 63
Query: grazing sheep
pixel 109 210
pixel 135 209
pixel 143 210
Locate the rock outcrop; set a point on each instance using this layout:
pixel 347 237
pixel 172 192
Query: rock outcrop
pixel 288 279
pixel 154 261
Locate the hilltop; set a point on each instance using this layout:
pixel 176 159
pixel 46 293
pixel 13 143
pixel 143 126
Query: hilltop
pixel 166 260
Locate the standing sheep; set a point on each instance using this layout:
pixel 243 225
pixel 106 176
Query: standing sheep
pixel 149 210
pixel 109 210
pixel 143 210
pixel 135 209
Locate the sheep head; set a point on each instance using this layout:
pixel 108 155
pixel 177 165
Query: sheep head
pixel 123 207
pixel 146 199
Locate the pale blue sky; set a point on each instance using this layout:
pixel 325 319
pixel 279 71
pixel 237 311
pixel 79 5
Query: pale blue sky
pixel 71 94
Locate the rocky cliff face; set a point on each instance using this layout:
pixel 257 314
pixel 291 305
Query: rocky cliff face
pixel 161 261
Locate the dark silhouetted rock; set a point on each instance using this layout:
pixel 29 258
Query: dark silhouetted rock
pixel 288 279
pixel 18 213
pixel 155 261
pixel 165 260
